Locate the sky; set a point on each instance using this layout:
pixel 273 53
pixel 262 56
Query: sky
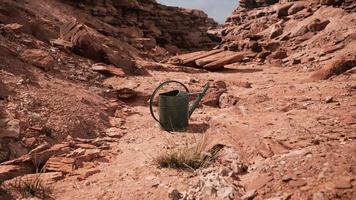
pixel 217 9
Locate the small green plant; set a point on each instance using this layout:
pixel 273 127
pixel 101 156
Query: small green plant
pixel 29 187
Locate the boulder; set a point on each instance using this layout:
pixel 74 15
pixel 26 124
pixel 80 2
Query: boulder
pixel 317 25
pixel 276 31
pixel 282 10
pixel 281 54
pixel 336 66
pixel 85 41
pixel 88 43
pixel 213 95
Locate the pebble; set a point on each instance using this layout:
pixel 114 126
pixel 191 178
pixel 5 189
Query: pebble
pixel 329 99
pixel 287 178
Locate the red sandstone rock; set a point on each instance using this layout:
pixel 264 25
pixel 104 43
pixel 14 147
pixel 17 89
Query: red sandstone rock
pixel 219 64
pixel 209 59
pixel 40 158
pixel 60 164
pixel 282 10
pixel 200 56
pixel 213 95
pixel 279 54
pixel 39 58
pixel 44 178
pixel 336 66
pixel 296 7
pixel 11 171
pixel 110 69
pixel 276 31
pixel 317 25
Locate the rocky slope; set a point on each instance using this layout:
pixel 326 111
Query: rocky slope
pixel 307 34
pixel 135 29
pixel 76 77
pixel 55 56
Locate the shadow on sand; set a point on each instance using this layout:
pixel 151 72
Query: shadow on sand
pixel 197 128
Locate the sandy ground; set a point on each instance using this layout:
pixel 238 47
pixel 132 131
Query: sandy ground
pixel 282 126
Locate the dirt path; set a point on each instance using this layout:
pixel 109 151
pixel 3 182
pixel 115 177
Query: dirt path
pixel 281 126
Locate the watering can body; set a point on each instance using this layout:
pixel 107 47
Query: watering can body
pixel 174 110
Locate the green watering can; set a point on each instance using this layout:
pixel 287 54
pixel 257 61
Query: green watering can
pixel 173 106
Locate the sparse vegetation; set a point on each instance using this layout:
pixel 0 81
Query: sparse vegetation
pixel 29 188
pixel 189 157
pixel 181 159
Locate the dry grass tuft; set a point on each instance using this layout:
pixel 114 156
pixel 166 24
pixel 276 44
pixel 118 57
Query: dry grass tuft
pixel 29 188
pixel 189 157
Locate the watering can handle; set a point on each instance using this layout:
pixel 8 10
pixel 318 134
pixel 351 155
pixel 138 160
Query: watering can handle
pixel 156 91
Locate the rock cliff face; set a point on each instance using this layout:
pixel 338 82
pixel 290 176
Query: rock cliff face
pixel 256 3
pixel 346 4
pixel 168 26
pixel 133 29
pixel 283 33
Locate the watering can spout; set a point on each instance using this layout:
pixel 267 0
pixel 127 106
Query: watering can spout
pixel 198 99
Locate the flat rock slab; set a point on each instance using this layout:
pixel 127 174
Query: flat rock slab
pixel 212 58
pixel 219 64
pixel 43 178
pixel 10 171
pixel 108 69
